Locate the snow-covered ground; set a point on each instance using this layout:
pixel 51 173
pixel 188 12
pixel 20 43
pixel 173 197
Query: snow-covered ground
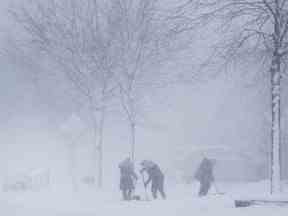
pixel 182 200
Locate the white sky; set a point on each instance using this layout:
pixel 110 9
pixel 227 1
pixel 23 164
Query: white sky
pixel 219 112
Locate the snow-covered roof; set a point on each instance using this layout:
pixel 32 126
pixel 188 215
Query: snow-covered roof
pixel 211 148
pixel 220 152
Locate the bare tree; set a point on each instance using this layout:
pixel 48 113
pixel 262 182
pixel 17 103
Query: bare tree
pixel 248 27
pixel 104 49
pixel 140 38
pixel 73 34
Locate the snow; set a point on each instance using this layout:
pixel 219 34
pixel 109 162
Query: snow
pixel 182 200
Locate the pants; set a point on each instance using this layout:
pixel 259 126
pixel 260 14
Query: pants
pixel 204 188
pixel 126 186
pixel 126 194
pixel 158 185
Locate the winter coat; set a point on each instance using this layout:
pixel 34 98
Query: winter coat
pixel 154 173
pixel 204 172
pixel 127 175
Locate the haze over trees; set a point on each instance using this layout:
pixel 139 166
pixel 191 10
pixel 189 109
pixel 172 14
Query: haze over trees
pixel 117 53
pixel 105 49
pixel 257 29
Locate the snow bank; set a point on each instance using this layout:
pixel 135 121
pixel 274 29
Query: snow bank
pixel 182 199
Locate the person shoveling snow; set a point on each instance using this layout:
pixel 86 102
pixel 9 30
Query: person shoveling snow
pixel 155 176
pixel 204 174
pixel 127 178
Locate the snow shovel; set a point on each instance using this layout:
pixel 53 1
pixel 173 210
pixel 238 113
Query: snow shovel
pixel 146 193
pixel 217 192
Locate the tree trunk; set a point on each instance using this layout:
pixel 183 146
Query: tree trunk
pixel 100 149
pixel 98 129
pixel 72 166
pixel 98 146
pixel 276 124
pixel 133 140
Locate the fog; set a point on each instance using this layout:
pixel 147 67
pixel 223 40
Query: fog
pixel 222 111
pixel 46 128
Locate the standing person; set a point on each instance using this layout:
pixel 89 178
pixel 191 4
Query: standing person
pixel 127 178
pixel 204 175
pixel 155 176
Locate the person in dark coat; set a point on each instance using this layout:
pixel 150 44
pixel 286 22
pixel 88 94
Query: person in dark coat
pixel 155 176
pixel 204 175
pixel 127 178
